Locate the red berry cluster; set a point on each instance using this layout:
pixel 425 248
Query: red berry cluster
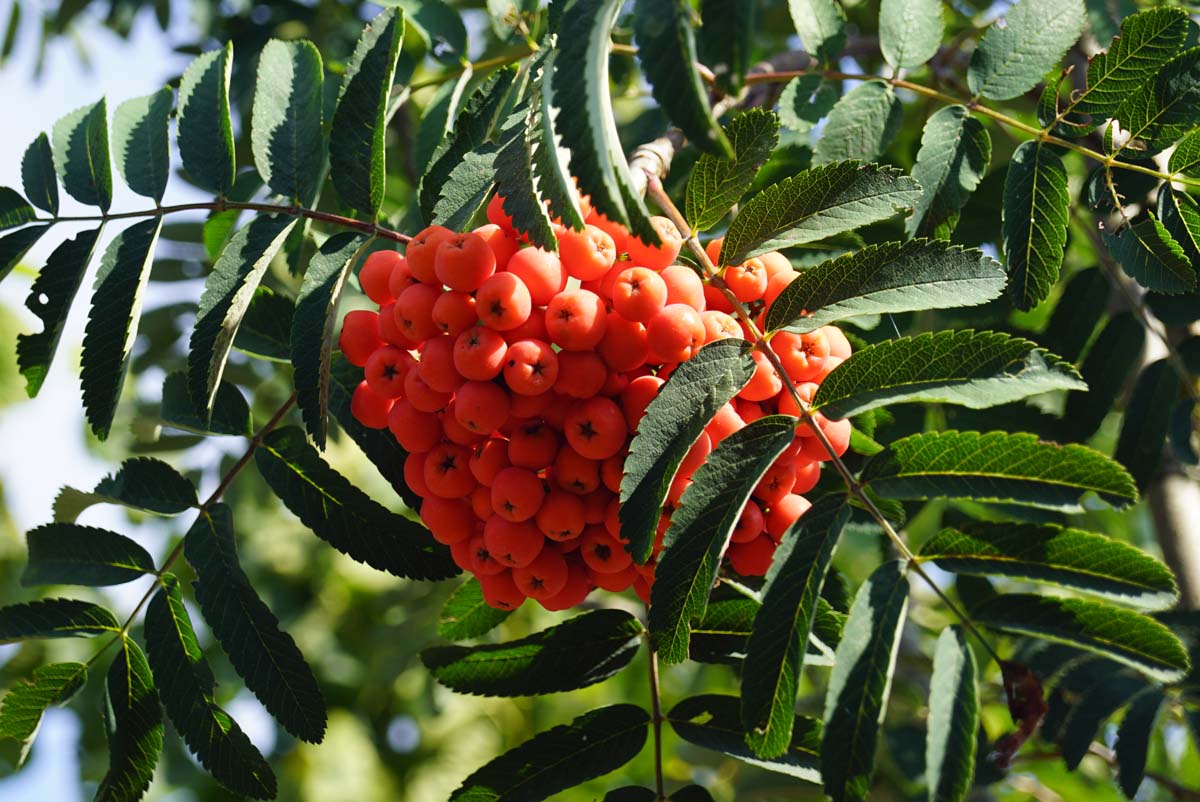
pixel 516 393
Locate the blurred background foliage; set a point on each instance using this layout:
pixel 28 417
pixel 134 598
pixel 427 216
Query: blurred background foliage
pixel 393 733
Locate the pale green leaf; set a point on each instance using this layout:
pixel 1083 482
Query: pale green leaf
pixel 953 719
pixel 821 25
pixel 861 124
pixel 23 705
pixel 80 146
pixel 1015 53
pixel 140 143
pixel 466 615
pixel 910 31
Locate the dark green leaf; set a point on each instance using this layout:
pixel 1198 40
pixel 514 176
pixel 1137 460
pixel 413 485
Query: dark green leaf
pixel 667 52
pixel 859 683
pixel 1146 42
pixel 1036 207
pixel 54 618
pixel 717 184
pixel 286 136
pixel 861 124
pixel 467 188
pixel 1076 314
pixel 691 793
pixel 1180 216
pixel 356 157
pixel 821 25
pixel 479 118
pixel 230 412
pixel 974 369
pixel 579 652
pixel 517 181
pixel 113 321
pixel 776 647
pixel 266 328
pixel 727 33
pixel 14 246
pixel 561 757
pixel 466 615
pixel 437 119
pixel 1163 109
pixel 1144 429
pixel 344 516
pixel 140 142
pixel 70 554
pixel 38 175
pixel 135 728
pixel 713 722
pixel 815 205
pixel 143 483
pixel 1112 356
pixel 50 299
pixel 551 162
pixel 1118 634
pixel 700 529
pixel 1017 51
pixel 1133 739
pixel 1185 159
pixel 805 101
pixel 1051 553
pixel 14 210
pixel 954 156
pixel 439 25
pixel 1091 711
pixel 1146 251
pixel 264 656
pixel 910 31
pixel 80 147
pixel 186 687
pixel 205 128
pixel 585 121
pixel 889 278
pixel 312 326
pixel 953 719
pixel 997 466
pixel 674 419
pixel 631 793
pixel 721 634
pixel 24 704
pixel 227 294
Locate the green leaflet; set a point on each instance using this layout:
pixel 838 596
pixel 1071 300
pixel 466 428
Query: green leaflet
pixel 313 323
pixel 1147 252
pixel 726 41
pixel 467 188
pixel 777 644
pixel 50 299
pixel 955 153
pixel 186 687
pixel 910 31
pixel 466 615
pixel 889 278
pixel 439 26
pixel 80 146
pixel 805 100
pixel 230 412
pixel 344 516
pixel 1073 558
pixel 286 136
pixel 1079 309
pixel 248 630
pixel 975 369
pixel 1013 56
pixel 266 329
pixel 135 728
pixel 1091 711
pixel 356 157
pixel 140 142
pixel 1146 42
pixel 113 320
pixel 860 683
pixel 227 294
pixel 997 466
pixel 561 757
pixel 699 531
pixel 437 119
pixel 38 175
pixel 1144 428
pixel 815 205
pixel 516 180
pixel 1121 635
pixel 673 421
pixel 552 164
pixel 585 118
pixel 667 52
pixel 580 651
pixel 1133 739
pixel 861 124
pixel 205 127
pixel 54 618
pixel 70 554
pixel 1036 209
pixel 14 210
pixel 821 25
pixel 712 721
pixel 717 184
pixel 142 483
pixel 14 246
pixel 1109 361
pixel 1185 159
pixel 23 705
pixel 1163 109
pixel 953 719
pixel 1180 216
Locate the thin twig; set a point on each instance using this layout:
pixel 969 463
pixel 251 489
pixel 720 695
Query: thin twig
pixel 656 712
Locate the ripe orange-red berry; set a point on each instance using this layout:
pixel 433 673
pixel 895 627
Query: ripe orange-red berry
pixel 360 336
